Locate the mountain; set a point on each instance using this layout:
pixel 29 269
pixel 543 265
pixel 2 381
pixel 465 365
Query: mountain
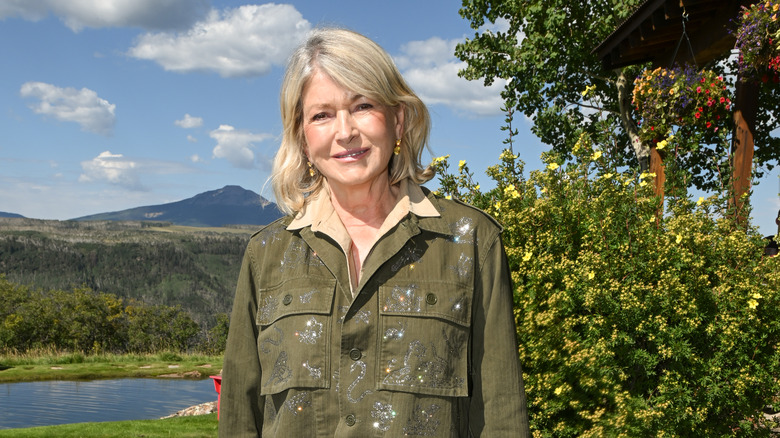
pixel 4 214
pixel 230 205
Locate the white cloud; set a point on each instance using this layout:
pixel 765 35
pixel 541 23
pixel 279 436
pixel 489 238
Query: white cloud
pixel 195 158
pixel 71 105
pixel 189 122
pixel 192 139
pixel 112 168
pixel 245 41
pixel 78 14
pixel 236 145
pixel 431 69
pixel 116 169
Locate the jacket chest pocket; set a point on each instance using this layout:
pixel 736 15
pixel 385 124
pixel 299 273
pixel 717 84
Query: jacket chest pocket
pixel 295 328
pixel 424 337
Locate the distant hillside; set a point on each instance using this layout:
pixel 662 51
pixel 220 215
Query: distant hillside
pixel 153 262
pixel 4 214
pixel 230 205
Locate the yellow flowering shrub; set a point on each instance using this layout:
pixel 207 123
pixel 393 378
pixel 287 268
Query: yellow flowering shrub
pixel 632 323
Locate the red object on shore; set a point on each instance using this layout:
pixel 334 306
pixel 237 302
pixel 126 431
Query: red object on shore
pixel 217 387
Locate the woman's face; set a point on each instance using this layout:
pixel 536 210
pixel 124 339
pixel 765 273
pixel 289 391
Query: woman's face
pixel 349 137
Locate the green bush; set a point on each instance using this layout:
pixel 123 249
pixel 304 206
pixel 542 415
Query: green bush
pixel 631 322
pixel 83 321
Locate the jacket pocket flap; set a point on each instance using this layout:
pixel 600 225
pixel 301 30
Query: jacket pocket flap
pixel 433 299
pixel 307 295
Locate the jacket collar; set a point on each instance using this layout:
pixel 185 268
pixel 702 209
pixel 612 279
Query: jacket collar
pixel 320 215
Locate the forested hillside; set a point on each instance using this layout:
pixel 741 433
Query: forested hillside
pixel 151 262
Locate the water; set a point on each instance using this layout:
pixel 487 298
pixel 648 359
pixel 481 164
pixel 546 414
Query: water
pixel 29 404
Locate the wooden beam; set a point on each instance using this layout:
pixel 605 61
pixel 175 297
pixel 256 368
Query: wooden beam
pixel 745 110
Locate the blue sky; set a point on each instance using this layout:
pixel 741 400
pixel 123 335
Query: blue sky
pixel 113 104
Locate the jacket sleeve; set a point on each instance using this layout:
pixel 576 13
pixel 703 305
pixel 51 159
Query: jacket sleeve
pixel 241 405
pixel 498 403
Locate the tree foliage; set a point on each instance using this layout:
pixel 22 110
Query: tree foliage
pixel 630 322
pixel 552 75
pixel 81 320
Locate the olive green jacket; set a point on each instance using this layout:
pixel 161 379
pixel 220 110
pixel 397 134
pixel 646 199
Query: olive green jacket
pixel 426 348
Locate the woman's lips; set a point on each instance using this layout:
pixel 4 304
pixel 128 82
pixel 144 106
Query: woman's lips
pixel 351 154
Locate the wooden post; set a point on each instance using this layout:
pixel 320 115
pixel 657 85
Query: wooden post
pixel 657 167
pixel 745 110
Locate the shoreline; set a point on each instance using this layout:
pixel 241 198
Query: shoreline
pixel 201 409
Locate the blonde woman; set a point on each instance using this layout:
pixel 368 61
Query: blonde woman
pixel 374 308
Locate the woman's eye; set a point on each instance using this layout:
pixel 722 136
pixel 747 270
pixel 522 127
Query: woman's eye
pixel 319 116
pixel 363 106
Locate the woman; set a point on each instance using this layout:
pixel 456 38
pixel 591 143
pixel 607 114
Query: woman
pixel 374 308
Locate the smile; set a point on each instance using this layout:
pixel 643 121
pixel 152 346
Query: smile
pixel 351 154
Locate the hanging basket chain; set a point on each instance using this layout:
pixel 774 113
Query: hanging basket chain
pixel 679 43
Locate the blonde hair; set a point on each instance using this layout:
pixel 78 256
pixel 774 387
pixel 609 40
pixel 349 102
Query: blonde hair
pixel 361 66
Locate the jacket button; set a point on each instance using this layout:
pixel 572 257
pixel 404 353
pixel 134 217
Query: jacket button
pixel 287 300
pixel 355 354
pixel 431 299
pixel 350 420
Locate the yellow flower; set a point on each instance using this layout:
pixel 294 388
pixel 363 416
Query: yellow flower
pixel 461 164
pixel 607 176
pixel 757 295
pixel 679 239
pixel 511 192
pixel 553 166
pixel 476 187
pixel 438 160
pixel 558 390
pixel 775 7
pixel 596 155
pixel 661 144
pixel 700 201
pixel 527 256
pixel 591 275
pixel 643 183
pixel 752 304
pixel 448 197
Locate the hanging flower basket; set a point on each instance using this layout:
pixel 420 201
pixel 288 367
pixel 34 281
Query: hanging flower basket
pixel 665 98
pixel 758 40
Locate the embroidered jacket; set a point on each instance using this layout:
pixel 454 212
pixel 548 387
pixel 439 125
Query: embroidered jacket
pixel 424 345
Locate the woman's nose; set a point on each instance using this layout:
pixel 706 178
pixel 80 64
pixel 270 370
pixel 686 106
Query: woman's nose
pixel 345 127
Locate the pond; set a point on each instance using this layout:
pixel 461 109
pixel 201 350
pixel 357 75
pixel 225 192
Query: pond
pixel 28 404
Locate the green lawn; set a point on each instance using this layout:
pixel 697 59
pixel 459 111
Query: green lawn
pixel 74 366
pixel 199 426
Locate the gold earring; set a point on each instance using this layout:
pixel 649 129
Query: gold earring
pixel 397 148
pixel 311 169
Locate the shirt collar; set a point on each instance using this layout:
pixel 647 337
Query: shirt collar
pixel 319 212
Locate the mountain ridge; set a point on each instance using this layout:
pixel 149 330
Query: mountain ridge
pixel 230 205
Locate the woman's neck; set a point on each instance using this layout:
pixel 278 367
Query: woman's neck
pixel 361 207
pixel 363 211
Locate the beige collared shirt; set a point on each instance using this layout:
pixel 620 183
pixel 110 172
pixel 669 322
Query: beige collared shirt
pixel 321 216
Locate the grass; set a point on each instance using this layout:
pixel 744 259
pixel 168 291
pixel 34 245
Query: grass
pixel 76 366
pixel 199 426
